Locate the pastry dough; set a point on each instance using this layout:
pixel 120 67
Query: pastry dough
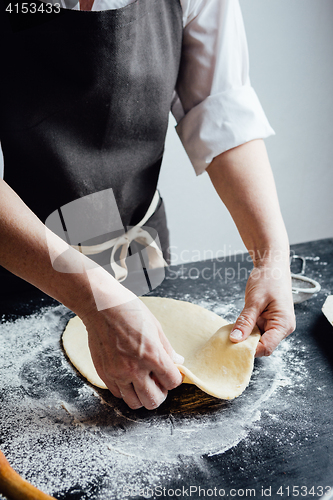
pixel 212 362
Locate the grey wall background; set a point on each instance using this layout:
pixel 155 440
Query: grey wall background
pixel 291 69
pixel 291 54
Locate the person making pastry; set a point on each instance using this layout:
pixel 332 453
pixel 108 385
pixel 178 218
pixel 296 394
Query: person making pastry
pixel 86 91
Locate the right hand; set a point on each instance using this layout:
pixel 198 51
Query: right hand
pixel 132 355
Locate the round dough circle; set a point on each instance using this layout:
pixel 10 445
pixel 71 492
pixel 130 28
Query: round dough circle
pixel 212 362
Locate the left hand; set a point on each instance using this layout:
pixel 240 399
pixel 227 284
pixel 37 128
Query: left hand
pixel 268 304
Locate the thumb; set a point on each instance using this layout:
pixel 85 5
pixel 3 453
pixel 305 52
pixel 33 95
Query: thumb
pixel 244 325
pixel 269 341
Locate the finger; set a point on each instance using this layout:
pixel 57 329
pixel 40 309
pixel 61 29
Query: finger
pixel 244 325
pixel 113 388
pixel 166 373
pixel 111 384
pixel 150 393
pixel 129 396
pixel 176 358
pixel 269 341
pixel 261 322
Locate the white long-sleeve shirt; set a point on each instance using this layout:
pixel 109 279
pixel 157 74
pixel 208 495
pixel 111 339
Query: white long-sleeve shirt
pixel 215 107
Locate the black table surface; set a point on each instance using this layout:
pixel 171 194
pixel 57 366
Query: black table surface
pixel 75 442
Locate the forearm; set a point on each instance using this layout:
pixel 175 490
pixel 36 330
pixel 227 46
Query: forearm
pixel 25 250
pixel 244 181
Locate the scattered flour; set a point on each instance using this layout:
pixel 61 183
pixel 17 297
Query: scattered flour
pixel 65 436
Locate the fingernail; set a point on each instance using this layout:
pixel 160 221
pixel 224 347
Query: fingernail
pixel 236 335
pixel 177 358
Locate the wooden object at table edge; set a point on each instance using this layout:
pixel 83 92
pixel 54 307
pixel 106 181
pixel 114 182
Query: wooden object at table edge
pixel 14 487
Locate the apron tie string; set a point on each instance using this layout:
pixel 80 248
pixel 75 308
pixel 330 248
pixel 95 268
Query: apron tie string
pixel 122 243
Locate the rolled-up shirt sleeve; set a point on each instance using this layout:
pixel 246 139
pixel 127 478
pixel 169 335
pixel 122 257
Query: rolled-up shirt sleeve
pixel 215 107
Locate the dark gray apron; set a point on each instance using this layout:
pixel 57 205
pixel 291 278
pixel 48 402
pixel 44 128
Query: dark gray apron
pixel 84 102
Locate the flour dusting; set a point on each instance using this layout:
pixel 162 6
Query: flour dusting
pixel 65 436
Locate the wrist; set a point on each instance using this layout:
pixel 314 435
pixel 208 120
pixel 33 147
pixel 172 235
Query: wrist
pixel 270 255
pixel 81 284
pixel 105 292
pixel 271 264
pixel 270 249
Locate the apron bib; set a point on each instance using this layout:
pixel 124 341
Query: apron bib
pixel 85 99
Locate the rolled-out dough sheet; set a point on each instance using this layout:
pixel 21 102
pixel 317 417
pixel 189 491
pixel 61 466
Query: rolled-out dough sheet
pixel 212 362
pixel 328 308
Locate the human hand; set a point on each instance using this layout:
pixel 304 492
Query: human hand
pixel 131 354
pixel 268 304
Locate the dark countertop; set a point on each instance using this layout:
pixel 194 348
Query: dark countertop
pixel 75 442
